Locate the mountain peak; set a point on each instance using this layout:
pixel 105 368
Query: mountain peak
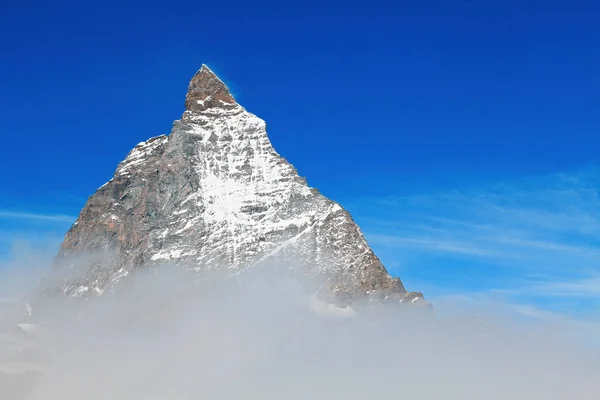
pixel 214 197
pixel 206 90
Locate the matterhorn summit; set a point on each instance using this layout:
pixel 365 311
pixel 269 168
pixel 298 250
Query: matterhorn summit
pixel 215 197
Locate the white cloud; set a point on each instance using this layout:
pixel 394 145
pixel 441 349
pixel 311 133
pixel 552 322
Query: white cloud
pixel 537 313
pixel 36 216
pixel 532 238
pixel 429 244
pixel 165 337
pixel 581 288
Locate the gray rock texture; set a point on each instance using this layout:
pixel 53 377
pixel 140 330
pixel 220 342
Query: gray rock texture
pixel 214 196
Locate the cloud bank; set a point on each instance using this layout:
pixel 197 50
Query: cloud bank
pixel 162 335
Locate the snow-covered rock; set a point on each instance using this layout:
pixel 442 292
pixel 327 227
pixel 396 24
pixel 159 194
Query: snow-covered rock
pixel 215 196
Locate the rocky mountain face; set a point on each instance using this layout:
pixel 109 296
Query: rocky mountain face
pixel 214 196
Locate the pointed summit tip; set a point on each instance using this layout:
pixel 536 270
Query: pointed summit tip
pixel 206 91
pixel 204 67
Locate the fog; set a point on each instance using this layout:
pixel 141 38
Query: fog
pixel 169 334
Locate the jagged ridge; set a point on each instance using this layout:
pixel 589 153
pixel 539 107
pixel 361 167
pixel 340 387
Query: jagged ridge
pixel 216 196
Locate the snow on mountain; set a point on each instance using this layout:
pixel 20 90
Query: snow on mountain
pixel 216 197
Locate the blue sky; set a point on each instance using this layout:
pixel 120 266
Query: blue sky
pixel 462 135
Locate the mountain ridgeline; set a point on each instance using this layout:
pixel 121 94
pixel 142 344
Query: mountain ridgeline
pixel 215 197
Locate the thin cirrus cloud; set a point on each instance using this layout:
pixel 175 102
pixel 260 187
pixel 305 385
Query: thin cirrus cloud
pixel 581 288
pixel 438 245
pixel 19 215
pixel 533 238
pixel 37 230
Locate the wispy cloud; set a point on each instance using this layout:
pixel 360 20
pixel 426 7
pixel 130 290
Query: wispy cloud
pixel 581 287
pixel 538 237
pixel 429 244
pixel 534 312
pixel 36 216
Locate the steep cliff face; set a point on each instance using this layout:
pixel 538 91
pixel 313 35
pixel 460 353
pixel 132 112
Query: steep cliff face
pixel 215 196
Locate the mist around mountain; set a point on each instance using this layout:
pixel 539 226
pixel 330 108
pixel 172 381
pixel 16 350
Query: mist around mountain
pixel 163 335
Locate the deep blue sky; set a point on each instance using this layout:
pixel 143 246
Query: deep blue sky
pixel 367 99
